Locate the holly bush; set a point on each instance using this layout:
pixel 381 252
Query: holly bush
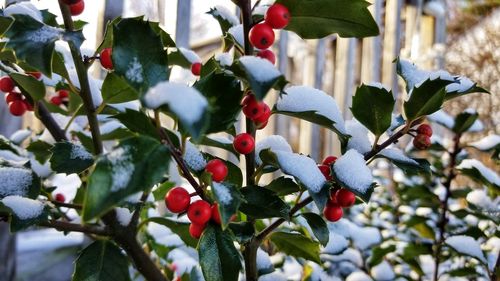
pixel 130 135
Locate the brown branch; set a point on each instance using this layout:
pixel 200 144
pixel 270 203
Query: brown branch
pixel 392 139
pixel 67 227
pixel 137 212
pixel 67 205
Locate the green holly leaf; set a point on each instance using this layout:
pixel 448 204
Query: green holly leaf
pixel 70 158
pixel 372 107
pixel 219 259
pixel 259 202
pixel 23 212
pixel 221 16
pixel 464 121
pixel 242 231
pixel 473 89
pixel 102 260
pixel 407 164
pixel 6 144
pixel 160 192
pixel 41 150
pixel 138 122
pixel 116 89
pixel 315 19
pixel 296 245
pixel 378 254
pixel 29 85
pixel 228 200
pixel 318 227
pixel 135 165
pixel 138 54
pixel 223 93
pixel 425 99
pixel 219 143
pixel 283 186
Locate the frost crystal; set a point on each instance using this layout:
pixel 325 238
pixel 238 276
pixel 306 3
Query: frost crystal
pixel 261 69
pixel 274 143
pixel 122 168
pixel 351 169
pixel 303 98
pixel 303 168
pixel 222 193
pixel 79 152
pixel 135 71
pixel 23 208
pixel 45 34
pixel 193 157
pixel 14 181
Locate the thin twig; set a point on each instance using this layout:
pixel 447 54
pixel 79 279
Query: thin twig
pixel 67 227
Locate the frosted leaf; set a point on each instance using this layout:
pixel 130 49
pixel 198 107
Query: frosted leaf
pixel 14 181
pixel 222 192
pixel 226 14
pixel 359 136
pixel 79 152
pixel 23 8
pixel 23 208
pixel 45 34
pixel 20 135
pixel 442 118
pixel 303 168
pixel 383 272
pixel 304 98
pixel 260 69
pixel 466 245
pixel 123 215
pixel 480 198
pixel 364 237
pixel 134 72
pixel 263 260
pixel 415 77
pixel 191 56
pixel 225 59
pixel 237 33
pixel 186 102
pixel 486 143
pixel 462 84
pixel 352 171
pixel 274 143
pixel 336 244
pixel 122 168
pixel 487 173
pixel 397 155
pixel 193 157
pixel 110 126
pixel 351 255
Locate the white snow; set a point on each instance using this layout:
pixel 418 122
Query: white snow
pixel 222 193
pixel 273 276
pixel 237 33
pixel 303 168
pixel 481 199
pixel 42 170
pixel 14 181
pixel 123 215
pixel 260 69
pixel 378 85
pixel 135 72
pixel 20 135
pixel 364 237
pixel 359 136
pixel 193 157
pixel 95 86
pixel 397 154
pixel 466 245
pixel 358 276
pixel 462 84
pixel 304 98
pixel 274 143
pixel 191 56
pixel 383 272
pixel 122 168
pixel 336 244
pixel 351 255
pixel 351 169
pixel 487 142
pixel 182 260
pixel 487 173
pixel 415 77
pixel 186 102
pixel 10 156
pixel 442 118
pixel 23 208
pixel 46 240
pixel 110 127
pixel 79 152
pixel 226 14
pixel 263 260
pixel 122 107
pixel 23 8
pixel 225 59
pixel 45 34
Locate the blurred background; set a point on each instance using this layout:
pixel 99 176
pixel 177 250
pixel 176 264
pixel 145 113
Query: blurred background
pixel 460 36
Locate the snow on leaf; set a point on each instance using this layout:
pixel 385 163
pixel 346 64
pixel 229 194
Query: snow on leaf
pixel 480 198
pixel 191 56
pixel 383 271
pixel 79 152
pixel 274 143
pixel 260 69
pixel 397 155
pixel 351 171
pixel 135 71
pixel 486 172
pixel 14 181
pixel 466 245
pixel 336 244
pixel 23 208
pixel 303 168
pixel 122 168
pixel 225 59
pixel 222 192
pixel 304 99
pixel 23 8
pixel 487 143
pixel 359 136
pixel 194 158
pixel 414 76
pixel 45 34
pixel 20 135
pixel 123 215
pixel 237 33
pixel 463 84
pixel 226 14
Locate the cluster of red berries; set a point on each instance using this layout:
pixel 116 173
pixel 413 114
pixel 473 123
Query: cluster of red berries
pixel 105 58
pixel 62 96
pixel 423 138
pixel 16 102
pixel 261 35
pixel 257 111
pixel 76 7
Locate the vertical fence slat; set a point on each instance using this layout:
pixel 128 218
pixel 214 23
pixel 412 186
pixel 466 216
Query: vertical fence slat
pixel 182 28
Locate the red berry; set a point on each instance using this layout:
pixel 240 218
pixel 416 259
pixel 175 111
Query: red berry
pixel 248 98
pixel 60 197
pixel 260 126
pixel 105 58
pixel 177 200
pixel 17 108
pixel 424 129
pixel 244 143
pixel 70 2
pixel 77 8
pixel 268 55
pixel 218 169
pixel 261 36
pixel 12 96
pixel 196 68
pixel 63 94
pixel 345 198
pixel 6 84
pixel 277 16
pixel 266 113
pixel 195 230
pixel 325 170
pixel 253 109
pixel 35 74
pixel 56 100
pixel 28 105
pixel 216 214
pixel 199 212
pixel 333 212
pixel 329 160
pixel 422 142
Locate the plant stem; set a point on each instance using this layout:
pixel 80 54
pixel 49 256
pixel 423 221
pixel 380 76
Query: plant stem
pixel 49 123
pixel 66 205
pixel 66 227
pixel 444 204
pixel 393 139
pixel 85 92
